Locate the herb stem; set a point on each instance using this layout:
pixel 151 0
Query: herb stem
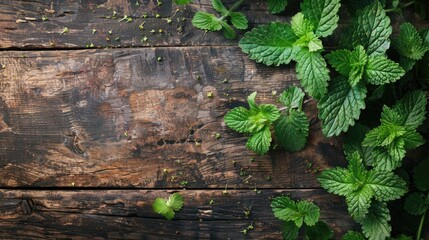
pixel 408 4
pixel 233 8
pixel 400 7
pixel 419 231
pixel 422 220
pixel 306 101
pixel 236 5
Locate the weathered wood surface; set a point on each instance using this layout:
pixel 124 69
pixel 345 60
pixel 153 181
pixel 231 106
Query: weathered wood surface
pixel 79 121
pixel 128 214
pixel 80 17
pixel 121 118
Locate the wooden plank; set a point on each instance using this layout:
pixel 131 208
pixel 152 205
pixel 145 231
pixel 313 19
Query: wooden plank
pixel 81 17
pixel 128 214
pixel 121 118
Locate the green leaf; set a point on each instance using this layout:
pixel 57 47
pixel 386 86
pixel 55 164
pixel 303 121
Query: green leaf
pixel 320 231
pixel 276 6
pixel 167 207
pixel 390 116
pixel 289 231
pixel 351 235
pixel 375 225
pixel 353 142
pixel 425 36
pixel 281 205
pixel 313 73
pixel 206 21
pixel 182 2
pixel 406 63
pixel 421 176
pixel 292 130
pixel 309 42
pixel 175 202
pixel 309 212
pixel 412 140
pixel 251 121
pixel 380 70
pixel 340 61
pixel 396 149
pixel 341 106
pixel 251 101
pixel 357 171
pixel 416 203
pixel 383 135
pixel 413 108
pixel 292 98
pixel 409 43
pixel 270 44
pixel 239 20
pixel 358 60
pixel 337 181
pixel 350 64
pixel 386 185
pixel 301 26
pixel 323 14
pixel 383 161
pixel 270 112
pixel 228 31
pixel 160 206
pixel 371 29
pixel 260 141
pixel 238 120
pixel 287 210
pixel 219 7
pixel 358 202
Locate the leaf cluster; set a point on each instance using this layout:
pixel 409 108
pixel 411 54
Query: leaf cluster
pixel 366 192
pixel 300 215
pixel 417 203
pixel 397 132
pixel 362 61
pixel 291 127
pixel 210 22
pixel 411 45
pixel 280 43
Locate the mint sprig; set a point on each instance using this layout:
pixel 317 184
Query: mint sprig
pixel 298 215
pixel 210 22
pixel 291 127
pixel 279 43
pixel 361 186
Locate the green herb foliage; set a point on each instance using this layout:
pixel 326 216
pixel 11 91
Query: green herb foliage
pixel 210 22
pixel 167 207
pixel 280 43
pixel 370 70
pixel 410 45
pixel 298 215
pixel 361 62
pixel 397 132
pixel 291 127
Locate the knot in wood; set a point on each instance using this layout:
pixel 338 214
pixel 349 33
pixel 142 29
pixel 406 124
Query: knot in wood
pixel 27 206
pixel 74 143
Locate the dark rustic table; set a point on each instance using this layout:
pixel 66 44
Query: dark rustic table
pixel 99 119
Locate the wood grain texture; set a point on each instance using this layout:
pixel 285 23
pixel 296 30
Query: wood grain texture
pixel 81 17
pixel 128 214
pixel 121 118
pixel 22 25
